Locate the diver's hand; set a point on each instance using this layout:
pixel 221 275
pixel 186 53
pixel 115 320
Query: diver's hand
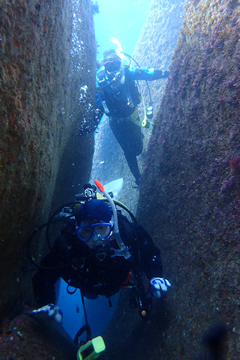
pixel 158 285
pixel 53 311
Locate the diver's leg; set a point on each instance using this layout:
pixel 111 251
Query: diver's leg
pixel 133 165
pixel 130 138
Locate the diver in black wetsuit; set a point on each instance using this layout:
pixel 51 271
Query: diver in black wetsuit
pixel 86 255
pixel 117 96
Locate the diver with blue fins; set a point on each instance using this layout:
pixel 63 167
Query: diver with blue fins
pixel 118 97
pixel 99 251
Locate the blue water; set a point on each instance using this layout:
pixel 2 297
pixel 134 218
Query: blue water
pixel 99 313
pixel 122 19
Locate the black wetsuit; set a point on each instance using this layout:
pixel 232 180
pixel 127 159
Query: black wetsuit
pixel 77 264
pixel 119 101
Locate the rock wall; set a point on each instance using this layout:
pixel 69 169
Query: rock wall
pixel 189 200
pixel 155 48
pixel 47 87
pixel 189 196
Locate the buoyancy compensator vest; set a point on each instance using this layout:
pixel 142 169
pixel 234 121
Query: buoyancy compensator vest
pixel 119 98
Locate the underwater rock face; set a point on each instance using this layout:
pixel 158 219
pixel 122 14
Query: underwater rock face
pixel 189 199
pixel 155 47
pixel 47 89
pixel 189 195
pixel 25 337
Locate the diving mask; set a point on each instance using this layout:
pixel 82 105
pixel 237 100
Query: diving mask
pixel 115 71
pixel 100 230
pixel 112 66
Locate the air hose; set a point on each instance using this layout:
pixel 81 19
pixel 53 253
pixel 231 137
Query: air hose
pixel 123 250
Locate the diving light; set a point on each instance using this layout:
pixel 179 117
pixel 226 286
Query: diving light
pixel 92 349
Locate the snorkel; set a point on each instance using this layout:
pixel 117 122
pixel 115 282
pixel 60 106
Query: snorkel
pixel 120 74
pixel 123 250
pixel 119 50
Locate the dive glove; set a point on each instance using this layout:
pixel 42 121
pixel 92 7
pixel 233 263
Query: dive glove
pixel 158 284
pixel 53 311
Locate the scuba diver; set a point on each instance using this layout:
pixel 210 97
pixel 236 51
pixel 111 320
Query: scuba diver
pixel 117 96
pixel 100 251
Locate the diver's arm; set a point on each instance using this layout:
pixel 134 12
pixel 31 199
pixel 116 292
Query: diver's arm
pixel 99 110
pixel 44 281
pixel 152 265
pixel 92 125
pixel 147 74
pixel 52 266
pixel 150 256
